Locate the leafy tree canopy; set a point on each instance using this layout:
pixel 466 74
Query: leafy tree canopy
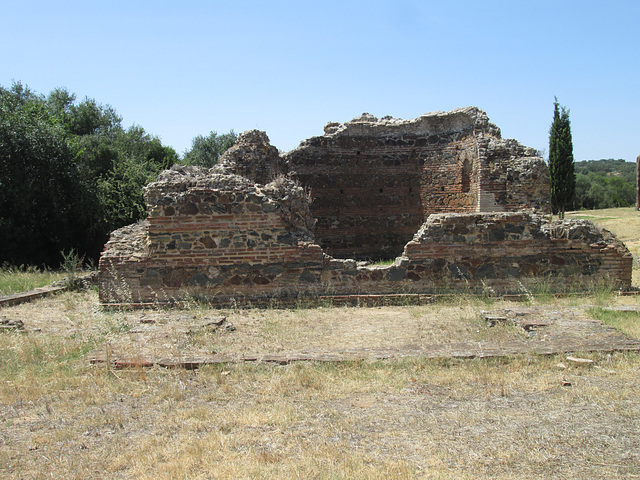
pixel 69 174
pixel 41 196
pixel 606 183
pixel 206 151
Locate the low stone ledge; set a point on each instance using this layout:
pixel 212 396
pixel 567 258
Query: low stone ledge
pixel 36 293
pixel 359 300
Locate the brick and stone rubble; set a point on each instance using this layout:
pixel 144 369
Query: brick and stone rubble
pixel 252 157
pixel 246 229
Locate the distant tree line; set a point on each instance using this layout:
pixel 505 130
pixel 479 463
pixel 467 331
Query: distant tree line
pixel 604 184
pixel 70 173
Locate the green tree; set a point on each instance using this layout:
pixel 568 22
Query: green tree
pixel 115 166
pixel 89 117
pixel 59 103
pixel 41 196
pixel 69 174
pixel 561 174
pixel 206 151
pixel 120 165
pixel 605 183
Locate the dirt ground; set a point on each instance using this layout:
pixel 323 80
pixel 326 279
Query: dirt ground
pixel 418 391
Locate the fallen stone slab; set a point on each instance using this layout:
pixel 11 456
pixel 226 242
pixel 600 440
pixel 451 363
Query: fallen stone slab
pixel 459 351
pixel 579 360
pixel 36 293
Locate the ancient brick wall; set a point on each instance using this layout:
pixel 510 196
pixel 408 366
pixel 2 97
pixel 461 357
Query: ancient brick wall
pixel 511 178
pixel 374 182
pixel 245 229
pixel 492 253
pixel 209 233
pixel 366 195
pixel 510 252
pixel 257 255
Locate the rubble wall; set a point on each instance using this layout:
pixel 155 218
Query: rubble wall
pixel 245 230
pixel 211 234
pixel 516 251
pixel 375 181
pixel 484 253
pixel 493 253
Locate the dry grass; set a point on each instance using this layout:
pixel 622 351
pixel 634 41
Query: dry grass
pixel 627 321
pixel 624 222
pixel 21 279
pixel 321 328
pixel 505 418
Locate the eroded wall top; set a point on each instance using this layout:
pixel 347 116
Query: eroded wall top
pixel 252 157
pixel 458 120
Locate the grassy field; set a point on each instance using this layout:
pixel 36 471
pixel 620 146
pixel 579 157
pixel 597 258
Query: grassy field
pixel 523 416
pixel 21 279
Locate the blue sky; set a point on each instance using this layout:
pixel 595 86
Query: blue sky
pixel 180 69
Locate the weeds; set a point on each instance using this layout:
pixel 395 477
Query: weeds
pixel 116 289
pixel 627 321
pixel 528 295
pixel 25 278
pixel 387 262
pixel 411 417
pixel 115 323
pixel 32 366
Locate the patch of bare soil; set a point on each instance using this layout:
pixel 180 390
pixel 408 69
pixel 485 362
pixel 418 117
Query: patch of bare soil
pixel 191 339
pixel 200 336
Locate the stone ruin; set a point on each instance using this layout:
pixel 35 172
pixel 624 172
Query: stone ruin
pixel 375 182
pixel 451 203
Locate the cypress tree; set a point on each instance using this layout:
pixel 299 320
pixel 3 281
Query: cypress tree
pixel 561 174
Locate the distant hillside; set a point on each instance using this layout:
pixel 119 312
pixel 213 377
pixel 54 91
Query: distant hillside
pixel 605 184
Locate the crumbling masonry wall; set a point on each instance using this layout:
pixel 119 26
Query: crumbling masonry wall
pixel 245 229
pixel 211 234
pixel 374 182
pixel 255 256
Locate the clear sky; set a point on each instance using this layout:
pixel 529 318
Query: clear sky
pixel 184 68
